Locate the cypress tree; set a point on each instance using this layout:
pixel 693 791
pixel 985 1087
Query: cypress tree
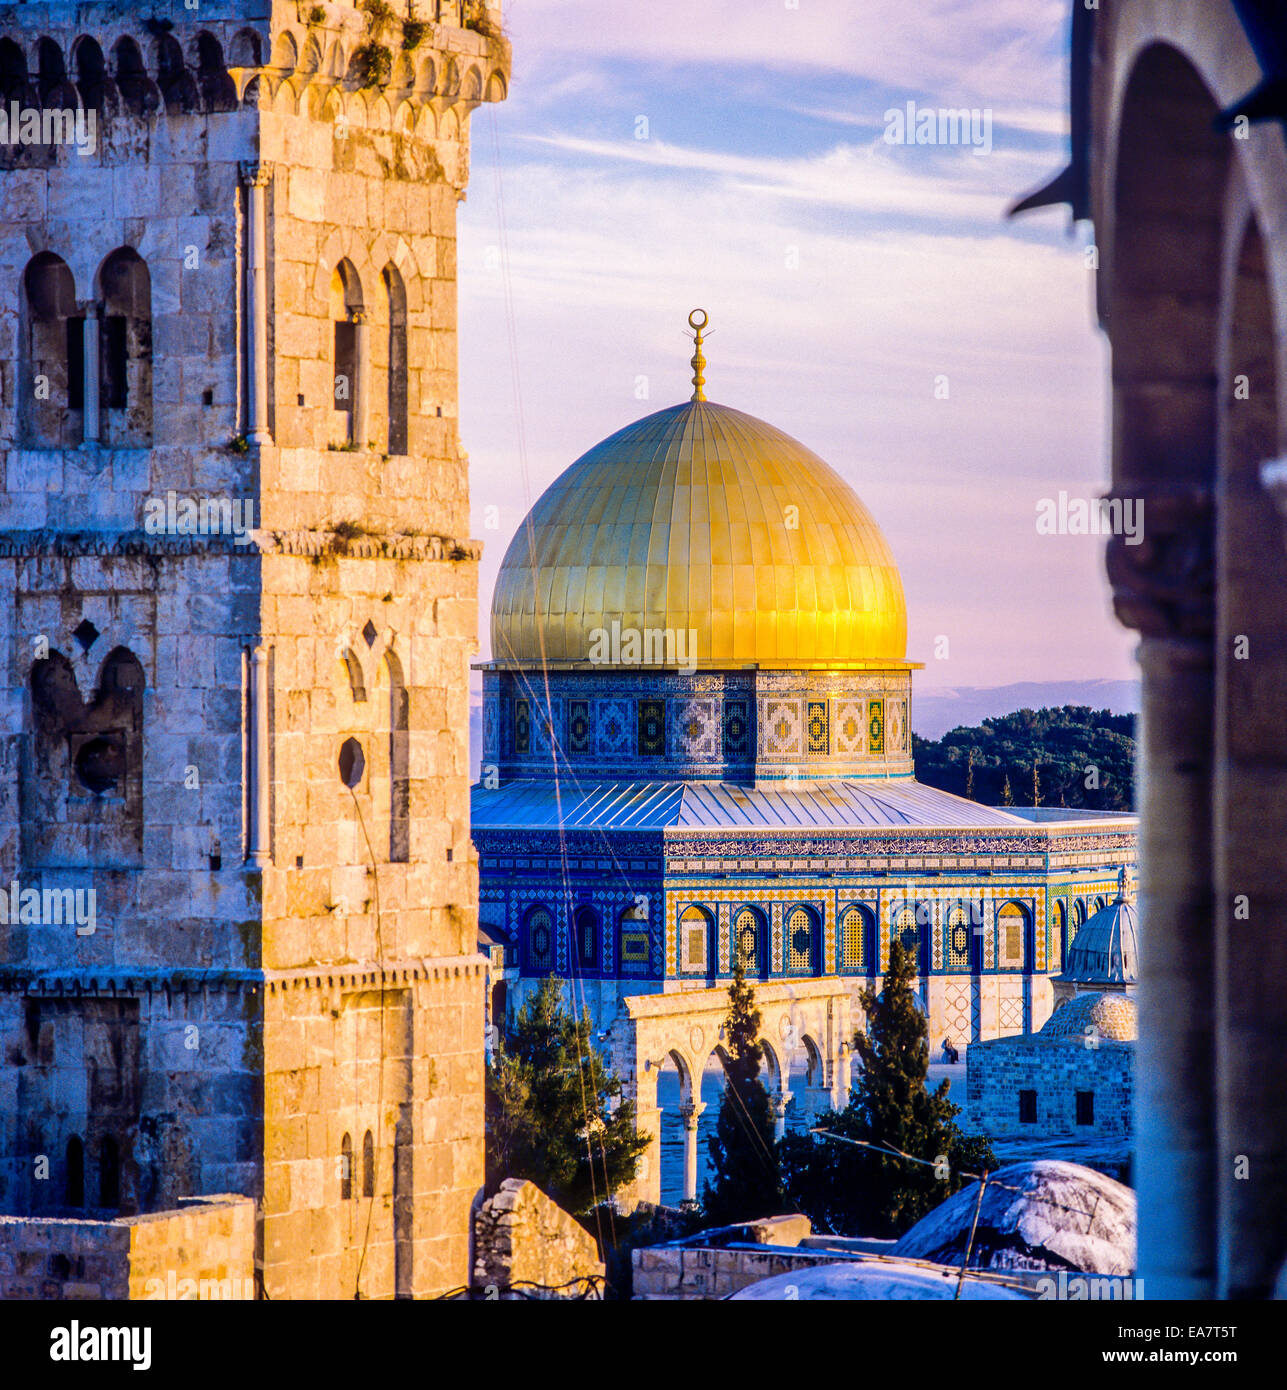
pixel 858 1191
pixel 741 1149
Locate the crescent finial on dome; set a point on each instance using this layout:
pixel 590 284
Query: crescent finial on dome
pixel 698 361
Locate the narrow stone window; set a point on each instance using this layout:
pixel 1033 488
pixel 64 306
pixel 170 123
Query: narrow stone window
pixel 50 399
pixel 1085 1107
pixel 109 1174
pixel 347 346
pixel 694 941
pixel 75 1189
pixel 125 350
pixel 1027 1107
pixel 396 298
pixel 346 1168
pixel 368 1165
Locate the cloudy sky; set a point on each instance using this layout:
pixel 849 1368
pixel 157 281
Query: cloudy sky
pixel 731 154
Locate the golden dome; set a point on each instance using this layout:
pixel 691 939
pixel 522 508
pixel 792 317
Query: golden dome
pixel 702 518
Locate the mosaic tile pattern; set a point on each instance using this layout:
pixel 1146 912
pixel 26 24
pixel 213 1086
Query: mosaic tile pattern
pixel 781 726
pixel 579 728
pixel 652 728
pixel 819 731
pixel 737 729
pixel 849 726
pixel 614 727
pixel 693 729
pixel 876 726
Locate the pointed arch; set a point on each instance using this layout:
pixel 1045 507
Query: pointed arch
pixel 125 349
pixel 353 672
pixel 397 373
pixel 346 1168
pixel 218 91
pixel 399 762
pixel 51 358
pixel 368 1165
pixel 178 87
pixel 246 49
pixel 285 52
pixel 140 96
pixel 92 81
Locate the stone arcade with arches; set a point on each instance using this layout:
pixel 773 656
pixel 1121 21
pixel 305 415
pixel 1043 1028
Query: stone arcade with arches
pixel 697 749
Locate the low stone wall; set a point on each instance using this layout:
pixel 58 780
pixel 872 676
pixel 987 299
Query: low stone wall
pixel 1056 1069
pixel 203 1250
pixel 705 1272
pixel 525 1246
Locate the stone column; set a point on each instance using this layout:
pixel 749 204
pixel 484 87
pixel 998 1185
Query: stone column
pixel 690 1113
pixel 255 177
pixel 362 352
pixel 1164 588
pixel 780 1102
pixel 90 433
pixel 259 838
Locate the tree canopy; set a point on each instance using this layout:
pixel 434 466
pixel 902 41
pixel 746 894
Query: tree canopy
pixel 1072 756
pixel 554 1114
pixel 854 1190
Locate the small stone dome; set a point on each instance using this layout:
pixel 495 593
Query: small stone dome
pixel 1105 950
pixel 1111 1015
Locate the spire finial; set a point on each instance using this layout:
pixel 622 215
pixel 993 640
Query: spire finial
pixel 698 361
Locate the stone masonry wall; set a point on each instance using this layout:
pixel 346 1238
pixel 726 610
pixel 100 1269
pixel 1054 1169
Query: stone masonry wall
pixel 1056 1069
pixel 522 1238
pixel 204 1250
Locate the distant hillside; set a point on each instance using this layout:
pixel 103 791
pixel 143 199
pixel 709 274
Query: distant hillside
pixel 935 712
pixel 1073 756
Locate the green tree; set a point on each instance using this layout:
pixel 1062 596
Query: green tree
pixel 1085 757
pixel 741 1149
pixel 855 1190
pixel 554 1114
pixel 1007 796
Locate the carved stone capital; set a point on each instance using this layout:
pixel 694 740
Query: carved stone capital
pixel 1164 580
pixel 255 175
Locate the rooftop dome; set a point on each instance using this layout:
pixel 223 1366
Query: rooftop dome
pixel 706 519
pixel 1104 951
pixel 1113 1017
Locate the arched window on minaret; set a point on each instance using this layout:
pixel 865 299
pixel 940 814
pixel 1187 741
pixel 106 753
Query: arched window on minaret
pixel 14 83
pixel 74 1191
pixel 91 74
pixel 218 91
pixel 399 763
pixel 139 95
pixel 125 350
pixel 346 1168
pixel 109 1173
pixel 368 1165
pixel 52 376
pixel 396 299
pixel 348 320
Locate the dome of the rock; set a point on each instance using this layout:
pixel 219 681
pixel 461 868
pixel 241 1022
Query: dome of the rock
pixel 702 518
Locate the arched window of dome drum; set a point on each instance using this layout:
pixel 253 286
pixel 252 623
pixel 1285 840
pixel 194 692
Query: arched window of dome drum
pixel 801 931
pixel 125 350
pixel 854 927
pixel 74 1190
pixel 633 940
pixel 1012 922
pixel 1079 918
pixel 959 938
pixel 538 934
pixel 51 390
pixel 696 956
pixel 346 1168
pixel 396 298
pixel 368 1165
pixel 585 930
pixel 109 1174
pixel 748 942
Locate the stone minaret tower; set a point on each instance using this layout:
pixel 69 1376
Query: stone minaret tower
pixel 239 603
